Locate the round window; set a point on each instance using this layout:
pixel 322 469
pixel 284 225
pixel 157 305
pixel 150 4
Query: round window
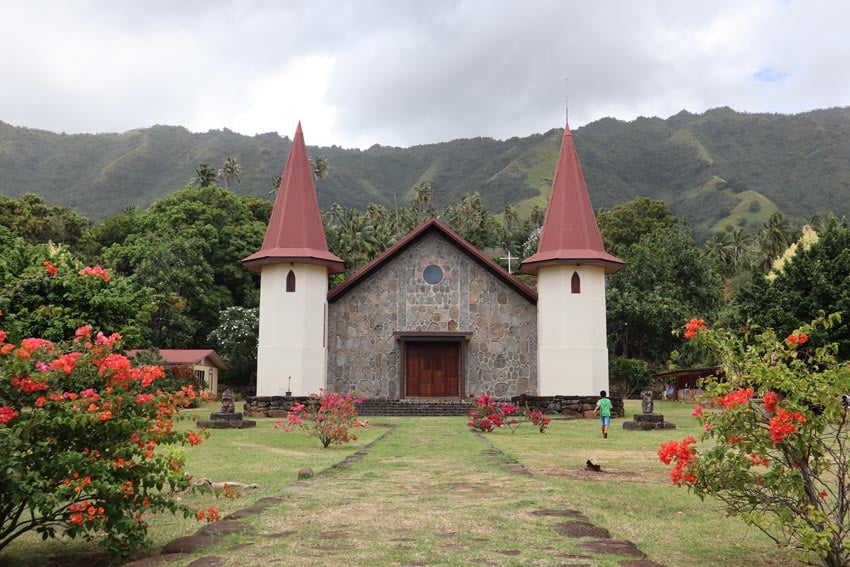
pixel 433 274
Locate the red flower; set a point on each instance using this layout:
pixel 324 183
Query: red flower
pixel 736 398
pixel 76 519
pixel 7 414
pixel 49 268
pixel 781 425
pixel 756 460
pixel 697 411
pixel 770 401
pixel 95 272
pixel 684 460
pixel 796 339
pixel 40 401
pixel 194 438
pixel 693 327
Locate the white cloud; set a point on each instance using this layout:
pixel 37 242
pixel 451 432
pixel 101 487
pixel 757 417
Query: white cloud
pixel 402 72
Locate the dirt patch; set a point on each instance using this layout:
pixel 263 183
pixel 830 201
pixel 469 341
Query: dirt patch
pixel 511 552
pixel 581 529
pixel 332 535
pixel 189 544
pixel 152 561
pixel 336 547
pixel 244 513
pixel 639 563
pixel 604 476
pixel 224 527
pixel 278 535
pixel 209 561
pixel 271 501
pixel 561 514
pixel 613 547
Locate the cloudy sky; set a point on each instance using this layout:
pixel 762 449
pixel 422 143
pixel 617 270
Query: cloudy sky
pixel 396 72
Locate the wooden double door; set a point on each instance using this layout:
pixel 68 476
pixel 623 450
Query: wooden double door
pixel 432 369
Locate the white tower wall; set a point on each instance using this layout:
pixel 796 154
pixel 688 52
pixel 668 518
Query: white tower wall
pixel 571 331
pixel 292 330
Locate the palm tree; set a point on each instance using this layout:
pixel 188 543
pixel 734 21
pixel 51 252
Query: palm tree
pixel 230 169
pixel 719 248
pixel 774 237
pixel 204 175
pixel 320 166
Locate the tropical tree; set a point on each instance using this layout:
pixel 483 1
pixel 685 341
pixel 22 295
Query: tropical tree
pixel 45 291
pixel 773 238
pixel 235 339
pixel 665 280
pixel 320 166
pixel 230 169
pixel 810 281
pixel 204 176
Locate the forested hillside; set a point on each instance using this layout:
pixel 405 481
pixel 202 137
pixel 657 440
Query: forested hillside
pixel 718 169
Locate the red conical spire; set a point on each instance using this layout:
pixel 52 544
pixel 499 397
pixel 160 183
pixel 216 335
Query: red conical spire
pixel 295 232
pixel 570 234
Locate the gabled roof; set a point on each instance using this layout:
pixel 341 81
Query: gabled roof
pixel 433 225
pixel 295 232
pixel 187 356
pixel 570 234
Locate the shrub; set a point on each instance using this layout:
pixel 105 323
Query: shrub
pixel 79 432
pixel 330 417
pixel 629 376
pixel 778 456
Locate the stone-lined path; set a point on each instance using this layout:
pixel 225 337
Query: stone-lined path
pixel 414 496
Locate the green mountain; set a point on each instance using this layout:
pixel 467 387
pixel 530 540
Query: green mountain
pixel 719 169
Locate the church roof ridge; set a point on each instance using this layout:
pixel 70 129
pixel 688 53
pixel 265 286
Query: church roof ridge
pixel 295 232
pixel 570 234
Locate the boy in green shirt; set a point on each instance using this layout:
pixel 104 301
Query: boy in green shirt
pixel 603 408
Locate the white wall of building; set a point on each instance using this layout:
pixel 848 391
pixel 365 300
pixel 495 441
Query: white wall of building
pixel 571 331
pixel 292 330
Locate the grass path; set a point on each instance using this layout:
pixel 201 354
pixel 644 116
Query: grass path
pixel 429 492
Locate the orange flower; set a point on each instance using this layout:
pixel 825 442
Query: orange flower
pixel 50 268
pixel 796 339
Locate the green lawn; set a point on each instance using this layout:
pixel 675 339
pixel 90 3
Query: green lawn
pixel 429 492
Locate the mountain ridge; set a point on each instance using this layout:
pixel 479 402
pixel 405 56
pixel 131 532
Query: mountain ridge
pixel 722 169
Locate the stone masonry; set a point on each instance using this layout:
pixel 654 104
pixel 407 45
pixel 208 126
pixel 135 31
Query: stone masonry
pixel 364 356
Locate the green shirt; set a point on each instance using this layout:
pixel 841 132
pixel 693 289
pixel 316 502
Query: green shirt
pixel 604 405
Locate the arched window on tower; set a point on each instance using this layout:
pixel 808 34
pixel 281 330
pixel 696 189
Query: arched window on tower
pixel 575 284
pixel 290 281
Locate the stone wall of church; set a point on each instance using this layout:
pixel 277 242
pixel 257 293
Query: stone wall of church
pixel 364 357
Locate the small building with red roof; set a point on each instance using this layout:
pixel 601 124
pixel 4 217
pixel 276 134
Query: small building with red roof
pixel 206 364
pixel 432 317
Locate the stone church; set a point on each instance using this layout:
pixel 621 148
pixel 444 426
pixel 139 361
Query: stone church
pixel 432 317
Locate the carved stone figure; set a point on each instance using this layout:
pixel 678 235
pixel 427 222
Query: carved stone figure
pixel 227 405
pixel 646 403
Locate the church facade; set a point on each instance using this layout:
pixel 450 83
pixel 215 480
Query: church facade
pixel 432 317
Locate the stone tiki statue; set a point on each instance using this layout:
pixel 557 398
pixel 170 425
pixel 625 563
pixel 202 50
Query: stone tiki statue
pixel 646 403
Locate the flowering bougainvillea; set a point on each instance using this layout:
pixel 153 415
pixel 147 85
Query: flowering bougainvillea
pixel 693 327
pixel 488 414
pixel 777 428
pixel 330 417
pixel 79 433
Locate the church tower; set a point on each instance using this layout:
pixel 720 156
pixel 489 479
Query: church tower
pixel 294 264
pixel 570 265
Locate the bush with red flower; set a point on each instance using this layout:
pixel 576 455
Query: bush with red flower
pixel 330 417
pixel 488 414
pixel 777 452
pixel 79 432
